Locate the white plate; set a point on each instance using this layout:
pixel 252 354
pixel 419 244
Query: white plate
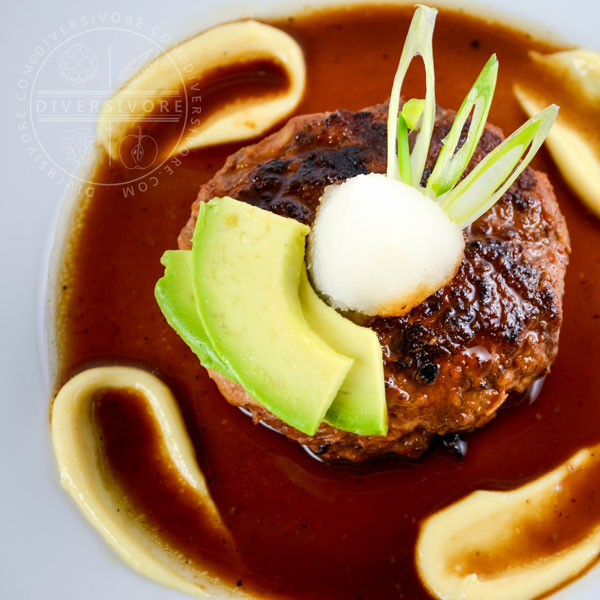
pixel 48 551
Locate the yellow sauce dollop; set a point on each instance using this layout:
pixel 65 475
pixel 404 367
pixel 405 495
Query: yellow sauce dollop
pixel 222 46
pixel 79 455
pixel 574 141
pixel 518 544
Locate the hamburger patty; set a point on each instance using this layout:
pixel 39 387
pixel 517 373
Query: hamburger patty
pixel 450 363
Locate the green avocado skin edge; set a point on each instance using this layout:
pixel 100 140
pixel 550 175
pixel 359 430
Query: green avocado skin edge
pixel 175 296
pixel 359 405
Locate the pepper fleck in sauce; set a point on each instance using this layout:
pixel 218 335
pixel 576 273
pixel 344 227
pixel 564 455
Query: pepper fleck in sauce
pixel 303 529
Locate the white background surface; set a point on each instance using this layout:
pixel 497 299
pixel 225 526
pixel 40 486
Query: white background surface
pixel 48 551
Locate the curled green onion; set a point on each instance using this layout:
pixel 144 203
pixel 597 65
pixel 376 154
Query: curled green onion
pixel 451 163
pixel 418 42
pixel 488 181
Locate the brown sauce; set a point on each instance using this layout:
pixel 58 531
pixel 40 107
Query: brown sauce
pixel 303 529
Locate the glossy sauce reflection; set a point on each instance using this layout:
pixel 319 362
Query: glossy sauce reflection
pixel 304 529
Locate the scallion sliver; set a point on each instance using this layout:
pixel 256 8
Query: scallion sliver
pixel 490 179
pixel 451 163
pixel 466 201
pixel 418 43
pixel 403 151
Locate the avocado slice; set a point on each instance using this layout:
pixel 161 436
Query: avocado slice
pixel 360 405
pixel 246 268
pixel 175 296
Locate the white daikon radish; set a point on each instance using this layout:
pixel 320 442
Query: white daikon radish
pixel 380 247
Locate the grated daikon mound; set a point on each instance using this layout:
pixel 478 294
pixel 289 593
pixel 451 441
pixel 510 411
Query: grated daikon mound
pixel 381 247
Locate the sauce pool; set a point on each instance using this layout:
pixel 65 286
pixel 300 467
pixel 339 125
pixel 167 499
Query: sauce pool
pixel 303 529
